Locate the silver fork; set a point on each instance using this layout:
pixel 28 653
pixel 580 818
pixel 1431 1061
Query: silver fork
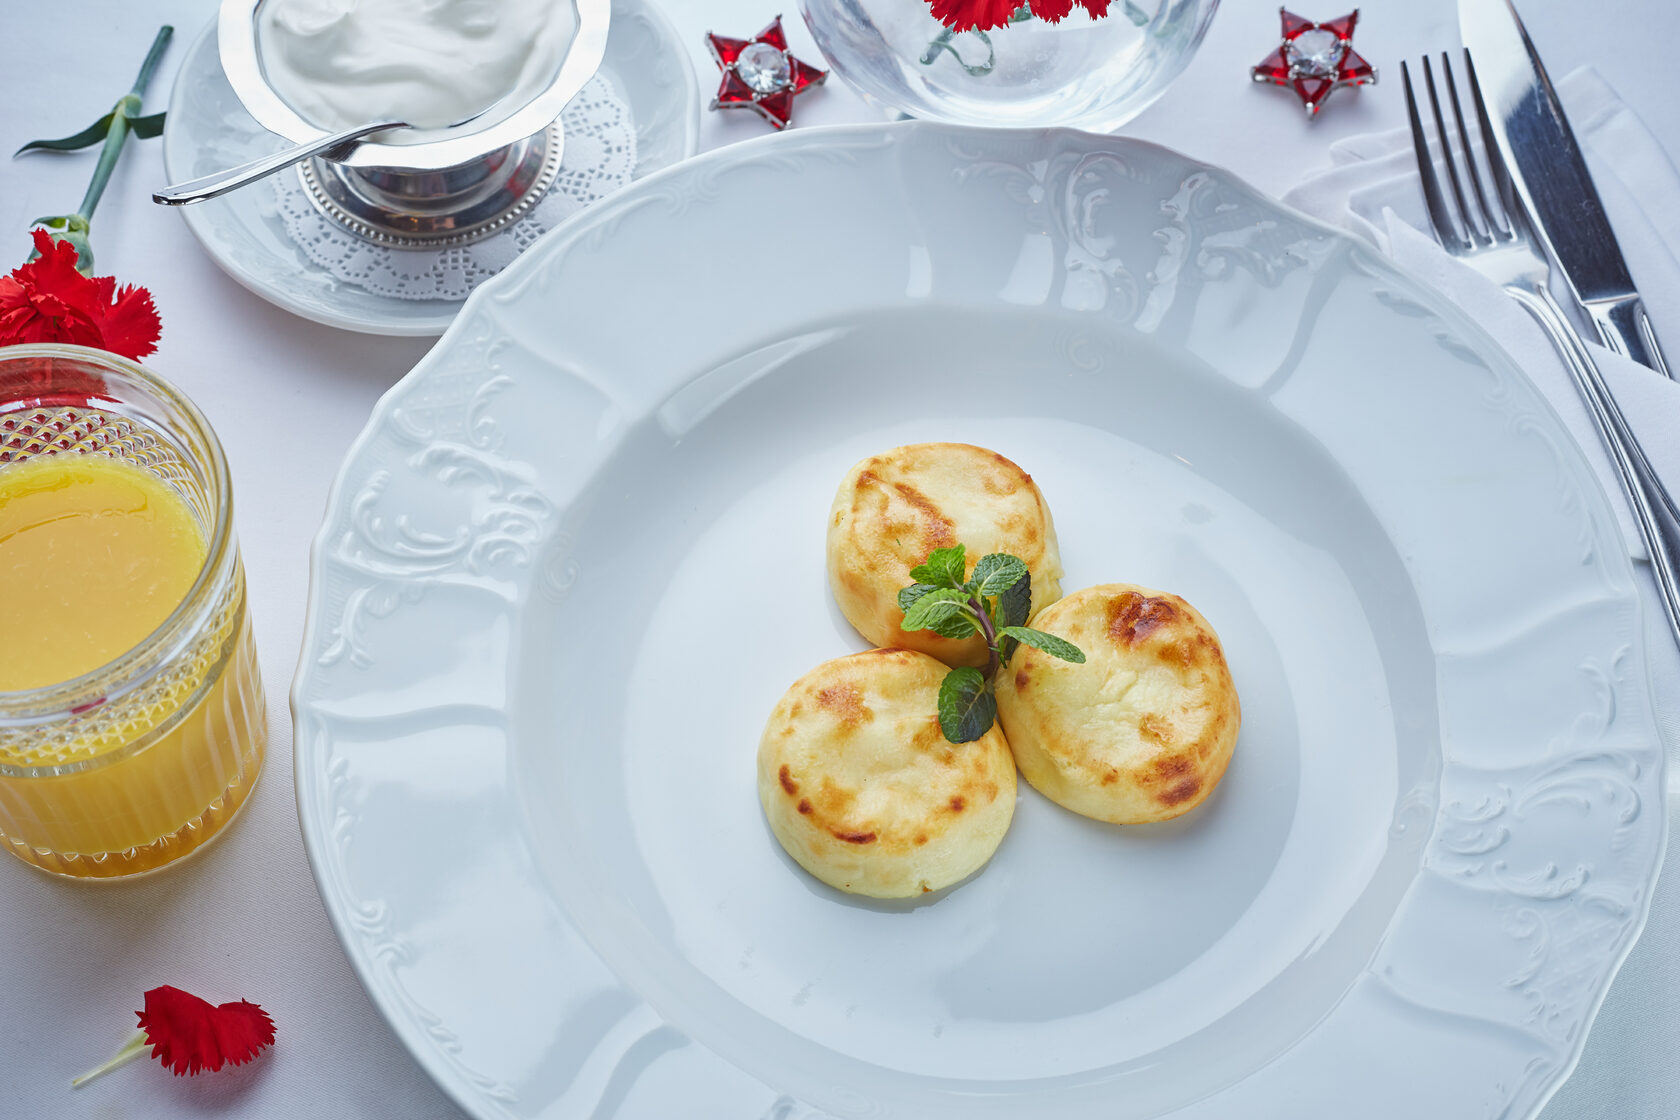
pixel 1495 237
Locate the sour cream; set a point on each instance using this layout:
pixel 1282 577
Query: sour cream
pixel 340 63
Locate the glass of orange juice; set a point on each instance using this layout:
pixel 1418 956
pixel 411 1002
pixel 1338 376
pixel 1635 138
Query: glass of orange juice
pixel 132 719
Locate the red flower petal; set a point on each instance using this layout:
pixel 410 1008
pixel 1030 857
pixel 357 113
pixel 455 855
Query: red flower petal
pixel 187 1034
pixel 131 326
pixel 47 300
pixel 983 15
pixel 970 15
pixel 54 271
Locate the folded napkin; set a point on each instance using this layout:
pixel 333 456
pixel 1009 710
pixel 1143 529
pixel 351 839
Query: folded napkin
pixel 1371 189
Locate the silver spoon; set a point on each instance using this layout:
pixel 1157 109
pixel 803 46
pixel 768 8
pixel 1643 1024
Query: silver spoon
pixel 197 190
pixel 210 186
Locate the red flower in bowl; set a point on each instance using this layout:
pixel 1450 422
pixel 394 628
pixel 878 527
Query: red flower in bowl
pixel 982 15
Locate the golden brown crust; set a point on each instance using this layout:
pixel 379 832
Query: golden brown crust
pixel 894 509
pixel 863 790
pixel 1144 730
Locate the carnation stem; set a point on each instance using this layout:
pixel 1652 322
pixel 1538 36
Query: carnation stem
pixel 133 1049
pixel 118 130
pixel 160 43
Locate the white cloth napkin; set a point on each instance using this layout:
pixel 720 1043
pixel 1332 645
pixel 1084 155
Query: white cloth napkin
pixel 1371 189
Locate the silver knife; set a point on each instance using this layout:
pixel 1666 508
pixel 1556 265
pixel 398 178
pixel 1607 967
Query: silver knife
pixel 1551 176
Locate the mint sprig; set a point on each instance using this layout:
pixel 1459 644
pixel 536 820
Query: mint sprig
pixel 993 602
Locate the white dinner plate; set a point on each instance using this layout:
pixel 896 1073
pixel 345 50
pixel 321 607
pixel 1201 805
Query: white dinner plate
pixel 577 554
pixel 209 130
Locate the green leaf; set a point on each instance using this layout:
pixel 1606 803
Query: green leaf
pixel 910 594
pixel 997 573
pixel 86 138
pixel 943 568
pixel 147 127
pixel 966 705
pixel 958 626
pixel 1015 604
pixel 934 608
pixel 63 223
pixel 1049 643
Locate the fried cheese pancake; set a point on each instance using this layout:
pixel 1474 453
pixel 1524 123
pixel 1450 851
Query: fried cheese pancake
pixel 863 789
pixel 1144 729
pixel 894 509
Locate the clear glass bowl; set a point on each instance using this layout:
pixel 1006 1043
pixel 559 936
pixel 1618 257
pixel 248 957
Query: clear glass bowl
pixel 1094 74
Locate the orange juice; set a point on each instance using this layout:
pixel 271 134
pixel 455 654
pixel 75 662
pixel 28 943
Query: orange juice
pixel 105 551
pixel 105 591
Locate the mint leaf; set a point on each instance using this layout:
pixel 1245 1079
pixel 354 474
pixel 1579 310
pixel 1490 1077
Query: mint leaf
pixel 958 626
pixel 910 594
pixel 936 607
pixel 1015 604
pixel 966 706
pixel 997 573
pixel 943 567
pixel 1049 643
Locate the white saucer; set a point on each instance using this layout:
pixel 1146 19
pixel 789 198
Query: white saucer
pixel 208 129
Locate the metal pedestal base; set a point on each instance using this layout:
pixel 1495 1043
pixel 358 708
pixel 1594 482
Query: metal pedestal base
pixel 434 209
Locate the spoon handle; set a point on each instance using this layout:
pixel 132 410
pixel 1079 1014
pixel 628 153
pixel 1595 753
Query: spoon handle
pixel 197 190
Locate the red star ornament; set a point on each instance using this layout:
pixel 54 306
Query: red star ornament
pixel 1315 59
pixel 759 74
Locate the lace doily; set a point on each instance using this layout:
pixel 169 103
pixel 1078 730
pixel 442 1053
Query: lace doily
pixel 600 157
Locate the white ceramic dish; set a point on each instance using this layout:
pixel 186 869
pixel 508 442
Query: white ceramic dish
pixel 573 560
pixel 209 130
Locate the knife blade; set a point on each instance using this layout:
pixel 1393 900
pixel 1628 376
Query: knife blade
pixel 1551 176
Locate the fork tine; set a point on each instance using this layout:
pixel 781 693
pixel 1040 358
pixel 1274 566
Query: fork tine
pixel 1500 174
pixel 1446 232
pixel 1488 221
pixel 1470 229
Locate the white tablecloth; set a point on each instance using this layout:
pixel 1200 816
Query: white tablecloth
pixel 287 396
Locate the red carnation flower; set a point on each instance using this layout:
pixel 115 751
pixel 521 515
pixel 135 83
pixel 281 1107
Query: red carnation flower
pixel 47 300
pixel 983 15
